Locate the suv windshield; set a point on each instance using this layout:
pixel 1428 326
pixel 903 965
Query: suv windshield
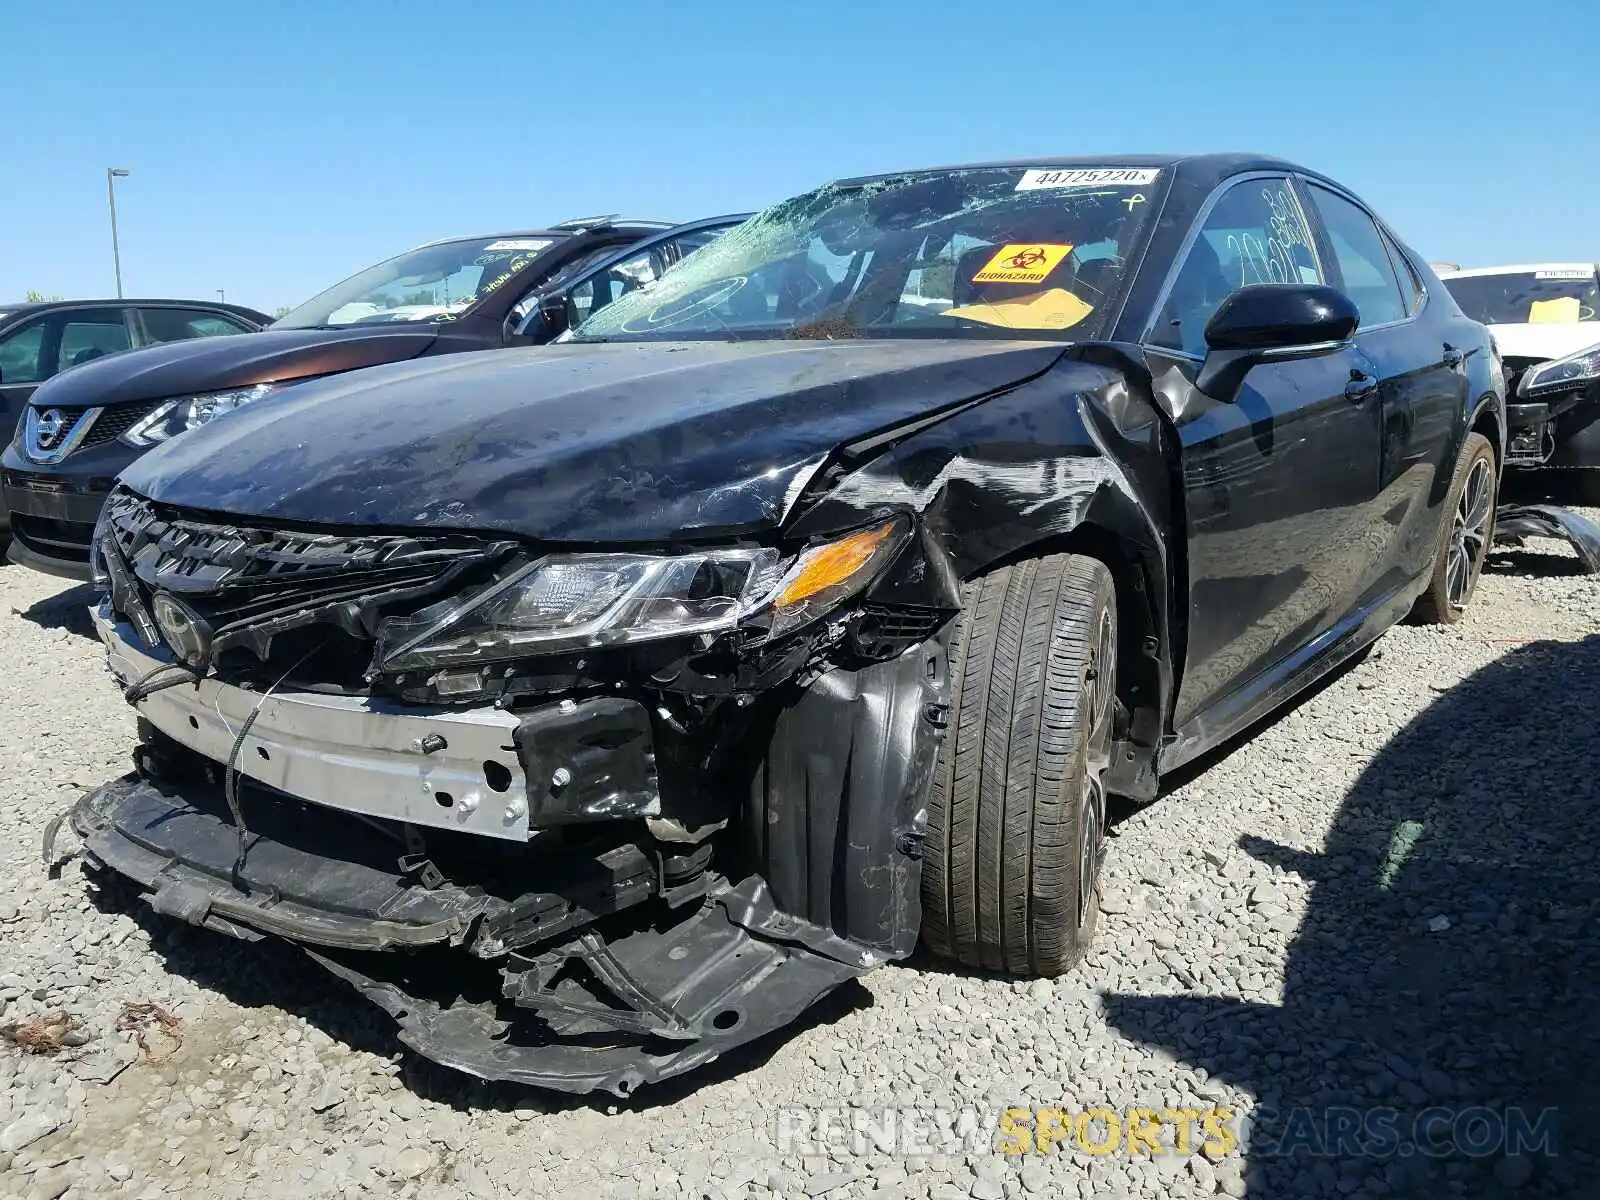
pixel 989 251
pixel 1564 296
pixel 431 283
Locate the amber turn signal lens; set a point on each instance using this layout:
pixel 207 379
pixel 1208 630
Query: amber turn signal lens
pixel 833 564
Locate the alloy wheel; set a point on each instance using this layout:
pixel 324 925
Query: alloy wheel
pixel 1469 534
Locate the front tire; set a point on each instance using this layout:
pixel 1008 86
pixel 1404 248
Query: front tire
pixel 1465 539
pixel 1017 812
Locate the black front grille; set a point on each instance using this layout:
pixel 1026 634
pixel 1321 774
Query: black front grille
pixel 112 423
pixel 273 595
pixel 53 539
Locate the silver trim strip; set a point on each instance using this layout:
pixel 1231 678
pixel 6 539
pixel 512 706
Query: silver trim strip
pixel 345 752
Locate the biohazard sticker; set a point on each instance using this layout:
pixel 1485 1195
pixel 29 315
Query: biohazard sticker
pixel 1022 262
pixel 1088 177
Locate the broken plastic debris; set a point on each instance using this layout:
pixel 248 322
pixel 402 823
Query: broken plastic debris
pixel 1054 308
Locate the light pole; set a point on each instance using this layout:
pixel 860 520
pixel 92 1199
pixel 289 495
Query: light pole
pixel 112 175
pixel 222 295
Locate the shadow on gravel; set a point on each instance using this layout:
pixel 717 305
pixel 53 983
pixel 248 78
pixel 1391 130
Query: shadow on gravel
pixel 1530 563
pixel 68 610
pixel 1550 487
pixel 274 974
pixel 1441 994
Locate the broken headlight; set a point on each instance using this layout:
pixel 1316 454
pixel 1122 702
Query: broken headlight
pixel 173 417
pixel 575 601
pixel 1570 374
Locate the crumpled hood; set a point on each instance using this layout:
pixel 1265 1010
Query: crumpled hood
pixel 630 442
pixel 1545 340
pixel 214 363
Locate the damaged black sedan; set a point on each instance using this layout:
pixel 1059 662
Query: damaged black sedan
pixel 594 709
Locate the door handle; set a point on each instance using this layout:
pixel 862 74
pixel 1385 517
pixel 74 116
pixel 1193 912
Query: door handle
pixel 1453 358
pixel 1361 386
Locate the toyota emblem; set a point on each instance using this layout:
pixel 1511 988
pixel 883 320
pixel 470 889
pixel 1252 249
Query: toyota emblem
pixel 51 425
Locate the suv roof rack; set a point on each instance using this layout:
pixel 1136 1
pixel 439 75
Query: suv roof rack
pixel 601 222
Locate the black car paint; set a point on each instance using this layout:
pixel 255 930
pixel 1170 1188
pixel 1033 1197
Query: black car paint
pixel 631 443
pixel 66 496
pixel 1255 544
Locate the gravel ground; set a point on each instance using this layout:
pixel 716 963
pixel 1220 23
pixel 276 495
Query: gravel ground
pixel 1384 899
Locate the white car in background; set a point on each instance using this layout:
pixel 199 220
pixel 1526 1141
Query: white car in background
pixel 1545 319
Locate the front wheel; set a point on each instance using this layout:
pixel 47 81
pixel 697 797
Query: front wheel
pixel 1464 540
pixel 1017 813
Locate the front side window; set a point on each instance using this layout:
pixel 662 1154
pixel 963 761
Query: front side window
pixel 432 283
pixel 1254 233
pixel 22 355
pixel 616 281
pixel 983 252
pixel 1369 278
pixel 87 335
pixel 1557 295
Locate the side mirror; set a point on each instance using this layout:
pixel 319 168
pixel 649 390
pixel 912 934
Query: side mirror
pixel 1272 322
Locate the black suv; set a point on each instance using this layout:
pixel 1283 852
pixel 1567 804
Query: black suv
pixel 40 339
pixel 459 294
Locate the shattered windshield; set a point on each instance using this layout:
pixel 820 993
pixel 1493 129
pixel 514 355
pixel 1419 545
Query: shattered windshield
pixel 992 251
pixel 1562 296
pixel 430 283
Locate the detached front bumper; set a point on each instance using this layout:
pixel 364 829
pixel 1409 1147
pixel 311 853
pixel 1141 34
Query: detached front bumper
pixel 494 880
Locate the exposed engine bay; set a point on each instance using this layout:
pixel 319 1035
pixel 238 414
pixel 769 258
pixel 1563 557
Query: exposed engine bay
pixel 632 853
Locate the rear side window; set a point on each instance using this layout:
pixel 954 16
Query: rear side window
pixel 1364 264
pixel 89 334
pixel 1411 286
pixel 180 324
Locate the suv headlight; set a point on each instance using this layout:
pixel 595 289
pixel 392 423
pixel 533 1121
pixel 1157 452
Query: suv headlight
pixel 173 417
pixel 1570 374
pixel 575 601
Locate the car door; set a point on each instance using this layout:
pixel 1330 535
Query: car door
pixel 50 343
pixel 22 369
pixel 1422 382
pixel 1277 486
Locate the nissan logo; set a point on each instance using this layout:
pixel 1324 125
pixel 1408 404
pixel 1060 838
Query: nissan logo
pixel 52 424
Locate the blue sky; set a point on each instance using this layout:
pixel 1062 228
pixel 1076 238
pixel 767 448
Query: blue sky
pixel 278 147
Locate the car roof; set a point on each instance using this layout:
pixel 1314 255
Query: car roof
pixel 1519 269
pixel 558 231
pixel 33 306
pixel 1218 165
